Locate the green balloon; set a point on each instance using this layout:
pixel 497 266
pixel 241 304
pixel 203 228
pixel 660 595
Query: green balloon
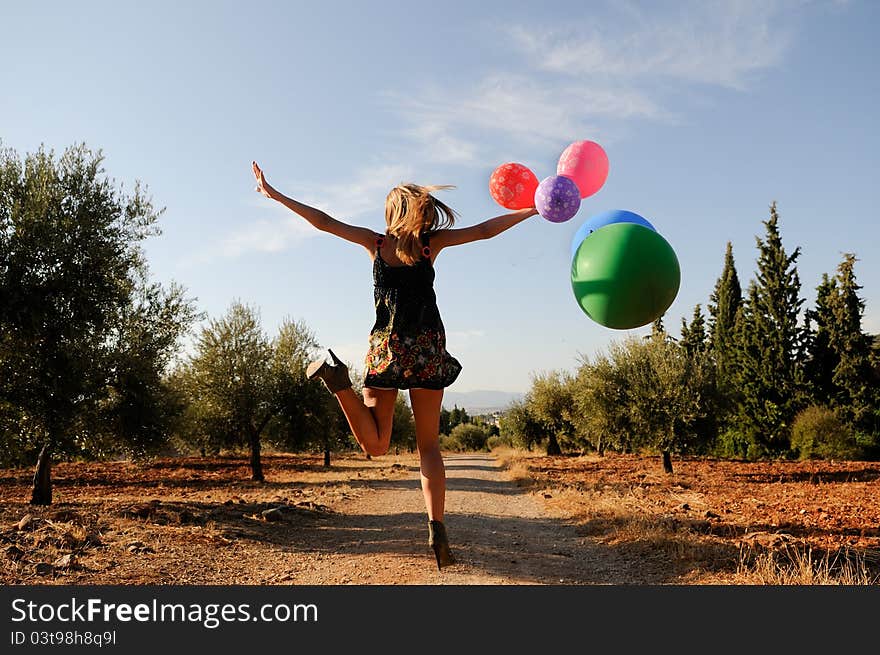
pixel 625 275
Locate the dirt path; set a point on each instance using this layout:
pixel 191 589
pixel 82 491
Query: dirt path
pixel 198 521
pixel 587 520
pixel 500 534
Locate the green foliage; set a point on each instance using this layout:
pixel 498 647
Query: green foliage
pixel 457 416
pixel 228 381
pixel 304 412
pixel 601 402
pixel 467 437
pixel 693 335
pixel 671 394
pixel 767 375
pixel 724 306
pixel 84 336
pixel 819 355
pixel 731 444
pixel 854 395
pixel 20 438
pixel 142 407
pixel 820 433
pixel 839 364
pixel 643 393
pixel 658 330
pixel 403 431
pixel 520 426
pixel 445 414
pixel 550 402
pixel 240 386
pixel 868 444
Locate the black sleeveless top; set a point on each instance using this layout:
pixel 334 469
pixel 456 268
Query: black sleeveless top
pixel 408 340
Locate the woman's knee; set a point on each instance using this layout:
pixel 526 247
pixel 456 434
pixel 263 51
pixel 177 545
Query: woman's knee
pixel 429 447
pixel 377 450
pixel 382 444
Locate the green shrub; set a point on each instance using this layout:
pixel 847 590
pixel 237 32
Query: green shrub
pixel 731 444
pixel 869 445
pixel 448 443
pixel 819 433
pixel 469 436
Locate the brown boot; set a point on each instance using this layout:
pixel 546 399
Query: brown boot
pixel 439 543
pixel 335 376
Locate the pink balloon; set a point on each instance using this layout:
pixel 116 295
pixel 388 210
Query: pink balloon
pixel 586 163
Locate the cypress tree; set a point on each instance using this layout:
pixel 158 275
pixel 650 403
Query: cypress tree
pixel 820 357
pixel 658 331
pixel 853 393
pixel 767 367
pixel 724 303
pixel 693 336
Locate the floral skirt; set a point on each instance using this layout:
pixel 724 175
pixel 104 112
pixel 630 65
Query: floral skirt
pixel 402 361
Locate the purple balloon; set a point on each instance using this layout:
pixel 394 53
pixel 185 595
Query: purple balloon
pixel 557 198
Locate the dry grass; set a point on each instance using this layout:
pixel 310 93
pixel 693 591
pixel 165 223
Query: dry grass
pixel 800 565
pixel 715 523
pixel 515 462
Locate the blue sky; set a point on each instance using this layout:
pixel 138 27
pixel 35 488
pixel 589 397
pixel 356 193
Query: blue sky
pixel 708 112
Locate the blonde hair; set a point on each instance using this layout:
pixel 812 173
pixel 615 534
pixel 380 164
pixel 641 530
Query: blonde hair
pixel 410 211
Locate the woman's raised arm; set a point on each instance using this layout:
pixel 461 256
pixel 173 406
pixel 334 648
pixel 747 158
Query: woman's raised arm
pixel 319 219
pixel 485 230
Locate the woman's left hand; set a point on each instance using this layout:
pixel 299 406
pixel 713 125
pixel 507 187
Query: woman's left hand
pixel 262 185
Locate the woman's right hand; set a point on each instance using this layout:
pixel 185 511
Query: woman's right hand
pixel 262 185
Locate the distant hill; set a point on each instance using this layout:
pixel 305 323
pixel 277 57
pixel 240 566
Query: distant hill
pixel 481 401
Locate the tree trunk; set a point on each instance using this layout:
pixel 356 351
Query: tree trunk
pixel 600 447
pixel 553 446
pixel 667 462
pixel 326 456
pixel 256 465
pixel 41 494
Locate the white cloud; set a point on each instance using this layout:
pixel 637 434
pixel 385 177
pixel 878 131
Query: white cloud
pixel 716 43
pixel 343 200
pixel 521 107
pixel 574 84
pixel 364 192
pixel 445 148
pixel 263 236
pixel 272 234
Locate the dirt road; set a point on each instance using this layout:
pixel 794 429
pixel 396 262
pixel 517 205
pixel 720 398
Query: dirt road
pixel 200 521
pixel 500 534
pixel 584 520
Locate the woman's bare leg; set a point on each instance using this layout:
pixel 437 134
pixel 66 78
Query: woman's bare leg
pixel 426 411
pixel 370 419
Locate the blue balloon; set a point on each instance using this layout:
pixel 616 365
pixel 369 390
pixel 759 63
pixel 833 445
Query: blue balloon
pixel 601 220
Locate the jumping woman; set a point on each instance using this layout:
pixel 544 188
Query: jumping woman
pixel 407 345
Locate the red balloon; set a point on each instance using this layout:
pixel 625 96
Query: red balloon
pixel 513 186
pixel 586 163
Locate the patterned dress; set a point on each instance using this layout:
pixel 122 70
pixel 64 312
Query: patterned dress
pixel 408 341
